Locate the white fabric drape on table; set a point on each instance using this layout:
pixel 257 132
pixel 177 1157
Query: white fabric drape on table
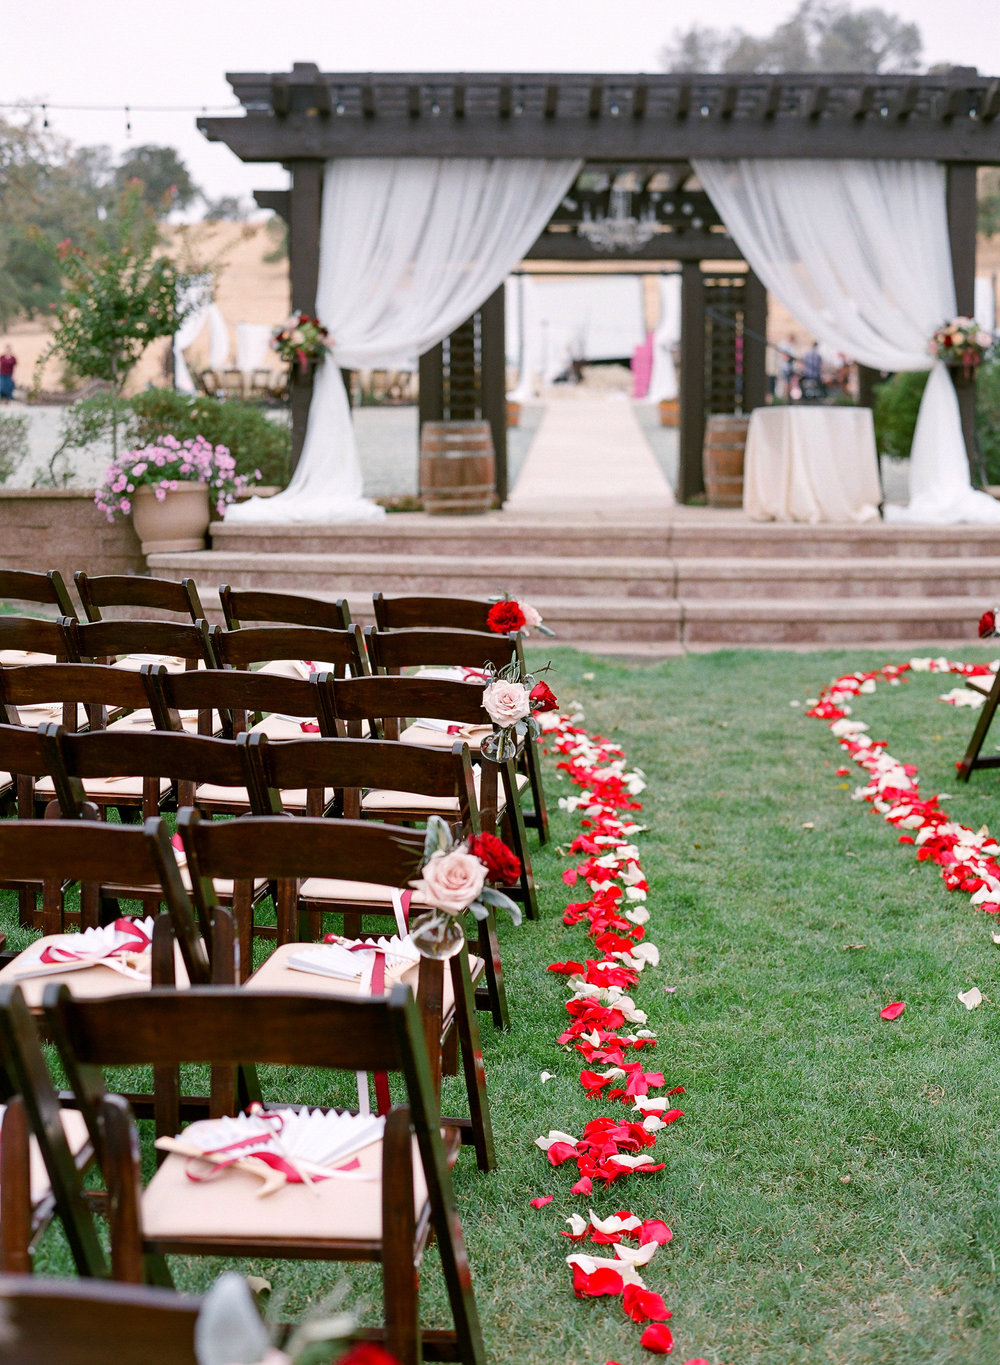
pixel 410 247
pixel 252 341
pixel 663 376
pixel 197 296
pixel 858 252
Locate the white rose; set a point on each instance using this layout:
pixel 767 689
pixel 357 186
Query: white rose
pixel 532 616
pixel 506 702
pixel 452 881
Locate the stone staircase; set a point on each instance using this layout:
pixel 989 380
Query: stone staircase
pixel 698 579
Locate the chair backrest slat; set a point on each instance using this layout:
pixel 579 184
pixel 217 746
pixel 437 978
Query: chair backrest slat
pixel 344 649
pixel 23 585
pixel 137 591
pixel 39 634
pixel 395 649
pixel 381 697
pixel 88 684
pixel 235 690
pixel 187 640
pixel 240 605
pixel 446 613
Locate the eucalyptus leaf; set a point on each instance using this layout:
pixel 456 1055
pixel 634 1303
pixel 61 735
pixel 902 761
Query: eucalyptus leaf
pixel 492 897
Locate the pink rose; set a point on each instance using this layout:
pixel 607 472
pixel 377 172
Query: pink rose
pixel 532 616
pixel 452 881
pixel 506 702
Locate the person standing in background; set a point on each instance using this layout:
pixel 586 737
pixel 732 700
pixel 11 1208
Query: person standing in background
pixel 8 364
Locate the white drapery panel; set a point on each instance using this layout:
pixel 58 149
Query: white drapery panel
pixel 858 252
pixel 663 376
pixel 410 247
pixel 198 298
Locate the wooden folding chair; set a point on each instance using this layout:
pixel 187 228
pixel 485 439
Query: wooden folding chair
pixel 392 651
pixel 450 711
pixel 973 757
pixel 388 1218
pixel 316 861
pixel 43 589
pixel 137 594
pixel 240 605
pixel 60 1322
pixel 380 779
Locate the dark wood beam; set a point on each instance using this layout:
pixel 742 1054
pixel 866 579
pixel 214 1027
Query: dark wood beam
pixel 281 100
pixel 961 198
pixel 413 101
pixel 730 98
pixel 864 101
pixel 368 105
pixel 666 246
pixel 639 98
pixel 505 104
pixel 494 382
pixel 551 100
pixel 906 101
pixel 277 201
pixel 816 101
pixel 754 344
pixel 770 100
pixel 691 477
pixel 683 100
pixel 989 105
pixel 430 377
pixel 458 101
pixel 260 137
pixel 305 207
pixel 595 99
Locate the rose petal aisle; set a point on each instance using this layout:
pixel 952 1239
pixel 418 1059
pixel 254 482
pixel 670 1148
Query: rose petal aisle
pixel 969 860
pixel 613 1251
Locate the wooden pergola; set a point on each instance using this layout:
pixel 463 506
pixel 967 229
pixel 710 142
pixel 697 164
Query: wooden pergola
pixel 637 130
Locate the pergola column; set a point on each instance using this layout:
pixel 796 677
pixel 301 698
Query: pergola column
pixel 961 198
pixel 754 344
pixel 304 215
pixel 690 475
pixel 494 382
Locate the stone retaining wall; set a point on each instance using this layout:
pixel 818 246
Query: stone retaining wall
pixel 60 528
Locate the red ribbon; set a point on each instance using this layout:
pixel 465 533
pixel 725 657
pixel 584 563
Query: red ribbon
pixel 137 942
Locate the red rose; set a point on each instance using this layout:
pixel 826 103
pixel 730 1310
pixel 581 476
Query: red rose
pixel 542 697
pixel 987 625
pixel 503 617
pixel 502 865
pixel 367 1353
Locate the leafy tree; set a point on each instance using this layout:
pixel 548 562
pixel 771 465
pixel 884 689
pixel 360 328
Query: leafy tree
pixel 118 296
pixel 821 35
pixel 165 179
pixel 229 209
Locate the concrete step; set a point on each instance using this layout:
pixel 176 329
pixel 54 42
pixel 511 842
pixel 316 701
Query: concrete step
pixel 888 576
pixel 828 621
pixel 689 532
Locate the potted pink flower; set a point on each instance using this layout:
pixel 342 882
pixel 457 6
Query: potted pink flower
pixel 454 879
pixel 169 489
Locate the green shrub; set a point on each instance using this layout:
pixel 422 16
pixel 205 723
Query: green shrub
pixel 254 441
pixel 988 417
pixel 13 442
pixel 897 402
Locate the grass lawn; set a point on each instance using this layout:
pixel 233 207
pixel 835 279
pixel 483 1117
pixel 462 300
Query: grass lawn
pixel 833 1187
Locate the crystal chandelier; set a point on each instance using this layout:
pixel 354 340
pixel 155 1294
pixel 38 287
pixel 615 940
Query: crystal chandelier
pixel 620 230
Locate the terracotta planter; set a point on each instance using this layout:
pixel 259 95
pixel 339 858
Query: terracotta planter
pixel 513 413
pixel 177 523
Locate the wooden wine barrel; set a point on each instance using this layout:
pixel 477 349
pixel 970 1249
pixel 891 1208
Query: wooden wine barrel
pixel 457 468
pixel 669 412
pixel 722 460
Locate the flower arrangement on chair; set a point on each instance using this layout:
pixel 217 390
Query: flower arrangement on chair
pixel 506 615
pixel 511 702
pixel 453 879
pixel 988 624
pixel 301 340
pixel 961 342
pixel 163 466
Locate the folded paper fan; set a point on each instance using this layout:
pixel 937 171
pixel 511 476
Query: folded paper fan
pixel 349 959
pixel 294 1140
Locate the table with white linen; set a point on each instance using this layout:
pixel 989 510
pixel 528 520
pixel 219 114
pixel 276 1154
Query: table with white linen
pixel 811 464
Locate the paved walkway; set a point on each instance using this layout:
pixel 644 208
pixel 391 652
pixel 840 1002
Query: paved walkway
pixel 590 456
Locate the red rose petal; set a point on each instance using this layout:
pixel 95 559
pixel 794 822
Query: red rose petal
pixel 583 1186
pixel 602 1281
pixel 541 1201
pixel 653 1230
pixel 658 1338
pixel 893 1011
pixel 560 1152
pixel 642 1304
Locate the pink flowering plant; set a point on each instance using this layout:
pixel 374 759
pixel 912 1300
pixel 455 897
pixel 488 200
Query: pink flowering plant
pixel 164 466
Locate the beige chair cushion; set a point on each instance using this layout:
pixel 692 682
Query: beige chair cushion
pixel 14 658
pixel 440 739
pixel 290 727
pixel 77 1139
pixel 6 779
pixel 36 714
pixel 274 975
pixel 346 1208
pixel 292 799
pixel 383 800
pixel 132 663
pixel 143 720
pixel 342 892
pixel 104 788
pixel 89 983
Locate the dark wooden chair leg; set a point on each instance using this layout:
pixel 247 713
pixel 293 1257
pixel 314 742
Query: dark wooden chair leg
pixel 399 1272
pixel 495 991
pixel 15 1191
pixel 471 1046
pixel 517 836
pixel 121 1156
pixel 538 816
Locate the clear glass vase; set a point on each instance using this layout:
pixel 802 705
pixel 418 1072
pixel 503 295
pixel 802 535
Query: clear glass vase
pixel 438 935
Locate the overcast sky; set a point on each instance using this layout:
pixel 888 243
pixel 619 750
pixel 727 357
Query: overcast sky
pixel 141 52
